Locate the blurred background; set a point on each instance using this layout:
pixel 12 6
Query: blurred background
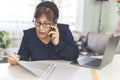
pixel 100 16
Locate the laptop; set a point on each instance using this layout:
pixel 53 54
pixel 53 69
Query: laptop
pixel 98 63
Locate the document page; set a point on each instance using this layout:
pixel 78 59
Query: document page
pixel 38 68
pixel 64 72
pixel 47 71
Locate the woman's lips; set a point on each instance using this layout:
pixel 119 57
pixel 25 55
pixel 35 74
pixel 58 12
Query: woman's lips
pixel 41 33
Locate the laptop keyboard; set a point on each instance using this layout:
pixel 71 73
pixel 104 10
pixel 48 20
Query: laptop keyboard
pixel 95 63
pixel 87 61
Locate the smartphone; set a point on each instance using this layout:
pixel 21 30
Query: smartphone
pixel 52 29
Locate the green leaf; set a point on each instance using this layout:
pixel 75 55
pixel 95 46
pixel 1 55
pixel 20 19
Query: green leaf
pixel 4 39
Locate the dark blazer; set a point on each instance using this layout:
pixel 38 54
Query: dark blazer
pixel 32 48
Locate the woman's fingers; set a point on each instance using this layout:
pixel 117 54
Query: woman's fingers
pixel 13 58
pixel 12 61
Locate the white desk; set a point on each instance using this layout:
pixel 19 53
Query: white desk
pixel 64 71
pixel 110 72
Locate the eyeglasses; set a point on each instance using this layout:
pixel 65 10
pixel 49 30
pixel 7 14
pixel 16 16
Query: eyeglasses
pixel 45 25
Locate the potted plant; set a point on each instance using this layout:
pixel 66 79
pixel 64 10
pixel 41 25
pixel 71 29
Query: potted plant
pixel 4 39
pixel 4 42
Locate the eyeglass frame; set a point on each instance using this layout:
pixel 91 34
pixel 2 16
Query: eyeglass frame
pixel 45 25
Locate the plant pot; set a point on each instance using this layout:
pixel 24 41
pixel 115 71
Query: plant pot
pixel 1 53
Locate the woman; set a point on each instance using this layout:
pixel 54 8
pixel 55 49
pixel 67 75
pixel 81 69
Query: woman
pixel 48 40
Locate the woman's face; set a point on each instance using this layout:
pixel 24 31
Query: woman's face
pixel 43 26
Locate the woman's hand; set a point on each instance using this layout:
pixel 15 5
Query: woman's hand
pixel 55 35
pixel 13 58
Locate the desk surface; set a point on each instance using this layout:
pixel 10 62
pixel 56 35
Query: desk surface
pixel 111 71
pixel 64 71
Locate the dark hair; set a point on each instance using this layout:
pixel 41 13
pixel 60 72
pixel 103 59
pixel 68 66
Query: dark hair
pixel 44 11
pixel 47 8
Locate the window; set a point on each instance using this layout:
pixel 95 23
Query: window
pixel 17 14
pixel 71 12
pixel 68 12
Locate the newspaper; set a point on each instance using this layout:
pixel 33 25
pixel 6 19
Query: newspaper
pixel 42 70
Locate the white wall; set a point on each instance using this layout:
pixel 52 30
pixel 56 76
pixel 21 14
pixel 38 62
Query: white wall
pixel 109 18
pixel 79 15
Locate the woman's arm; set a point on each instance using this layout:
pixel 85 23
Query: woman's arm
pixel 66 47
pixel 24 50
